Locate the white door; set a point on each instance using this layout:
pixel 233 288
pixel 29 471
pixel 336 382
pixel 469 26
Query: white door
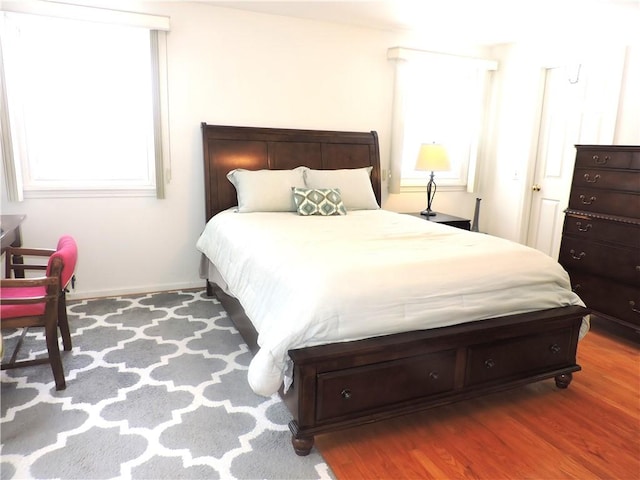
pixel 579 106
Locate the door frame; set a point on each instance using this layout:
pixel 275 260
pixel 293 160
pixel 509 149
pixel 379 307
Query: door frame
pixel 532 163
pixel 527 196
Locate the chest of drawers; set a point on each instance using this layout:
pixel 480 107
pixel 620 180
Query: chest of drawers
pixel 601 237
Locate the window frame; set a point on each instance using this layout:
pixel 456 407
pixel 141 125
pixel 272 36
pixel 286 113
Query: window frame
pixel 12 138
pixel 406 62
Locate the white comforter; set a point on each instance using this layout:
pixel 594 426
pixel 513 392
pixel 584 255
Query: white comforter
pixel 311 280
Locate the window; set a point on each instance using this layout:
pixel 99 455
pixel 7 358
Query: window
pixel 437 99
pixel 84 109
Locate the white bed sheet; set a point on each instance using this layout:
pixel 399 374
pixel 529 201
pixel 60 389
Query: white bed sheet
pixel 307 281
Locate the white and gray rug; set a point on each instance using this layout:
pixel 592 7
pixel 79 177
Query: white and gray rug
pixel 156 388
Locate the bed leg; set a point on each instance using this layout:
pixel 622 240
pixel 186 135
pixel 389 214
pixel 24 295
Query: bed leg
pixel 563 381
pixel 302 445
pixel 209 289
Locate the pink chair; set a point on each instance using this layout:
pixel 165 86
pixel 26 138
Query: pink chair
pixel 39 302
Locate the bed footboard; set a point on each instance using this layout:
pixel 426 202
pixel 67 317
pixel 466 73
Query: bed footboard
pixel 346 384
pixel 342 385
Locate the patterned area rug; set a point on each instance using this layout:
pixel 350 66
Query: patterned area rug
pixel 156 388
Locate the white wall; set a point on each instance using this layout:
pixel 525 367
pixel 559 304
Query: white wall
pixel 225 67
pixel 628 121
pixel 517 96
pixel 239 68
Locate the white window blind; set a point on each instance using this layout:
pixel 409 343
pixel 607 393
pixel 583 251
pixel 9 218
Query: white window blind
pixel 437 99
pixel 86 103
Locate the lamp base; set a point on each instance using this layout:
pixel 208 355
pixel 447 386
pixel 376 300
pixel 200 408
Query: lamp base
pixel 428 213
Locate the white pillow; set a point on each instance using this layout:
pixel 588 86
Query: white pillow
pixel 354 185
pixel 266 190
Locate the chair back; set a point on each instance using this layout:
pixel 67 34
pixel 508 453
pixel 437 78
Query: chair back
pixel 67 253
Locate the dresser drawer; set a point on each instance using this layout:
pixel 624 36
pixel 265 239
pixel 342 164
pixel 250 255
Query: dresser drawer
pixel 596 158
pixel 617 263
pixel 598 229
pixel 372 386
pixel 621 180
pixel 611 298
pixel 601 201
pixel 519 357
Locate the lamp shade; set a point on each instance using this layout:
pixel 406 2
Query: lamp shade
pixel 432 157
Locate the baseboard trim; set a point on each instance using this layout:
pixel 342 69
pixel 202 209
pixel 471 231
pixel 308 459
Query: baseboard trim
pixel 89 294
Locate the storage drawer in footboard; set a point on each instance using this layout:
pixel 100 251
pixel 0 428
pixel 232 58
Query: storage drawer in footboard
pixel 364 388
pixel 519 357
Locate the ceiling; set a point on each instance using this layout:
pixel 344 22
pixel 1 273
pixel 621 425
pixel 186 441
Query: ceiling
pixel 483 22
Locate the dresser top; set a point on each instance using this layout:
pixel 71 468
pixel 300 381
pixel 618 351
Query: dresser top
pixel 610 147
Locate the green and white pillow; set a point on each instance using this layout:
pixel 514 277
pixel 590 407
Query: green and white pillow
pixel 318 201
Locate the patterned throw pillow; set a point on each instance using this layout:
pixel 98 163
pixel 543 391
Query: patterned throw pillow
pixel 318 201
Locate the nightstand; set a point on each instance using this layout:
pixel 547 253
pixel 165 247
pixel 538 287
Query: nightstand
pixel 463 223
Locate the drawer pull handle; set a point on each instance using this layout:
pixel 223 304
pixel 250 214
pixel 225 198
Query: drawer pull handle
pixel 586 228
pixel 632 304
pixel 587 178
pixel 580 256
pixel 434 375
pixel 489 363
pixel 599 161
pixel 346 394
pixel 576 288
pixel 555 348
pixel 587 202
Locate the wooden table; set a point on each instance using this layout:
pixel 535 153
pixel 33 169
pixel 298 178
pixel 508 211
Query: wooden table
pixel 463 223
pixel 11 234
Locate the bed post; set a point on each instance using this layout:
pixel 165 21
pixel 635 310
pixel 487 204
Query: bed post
pixel 302 444
pixel 563 381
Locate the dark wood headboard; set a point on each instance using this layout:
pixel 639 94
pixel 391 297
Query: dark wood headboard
pixel 252 148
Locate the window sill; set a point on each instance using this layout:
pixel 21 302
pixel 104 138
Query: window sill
pixel 423 188
pixel 90 192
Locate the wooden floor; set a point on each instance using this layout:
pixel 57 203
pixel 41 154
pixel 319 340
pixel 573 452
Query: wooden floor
pixel 590 430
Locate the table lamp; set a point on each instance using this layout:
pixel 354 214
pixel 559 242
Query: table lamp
pixel 432 157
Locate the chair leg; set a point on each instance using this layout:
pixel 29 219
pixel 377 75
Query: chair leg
pixel 51 335
pixel 63 322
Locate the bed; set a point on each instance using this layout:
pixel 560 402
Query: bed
pixel 368 347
